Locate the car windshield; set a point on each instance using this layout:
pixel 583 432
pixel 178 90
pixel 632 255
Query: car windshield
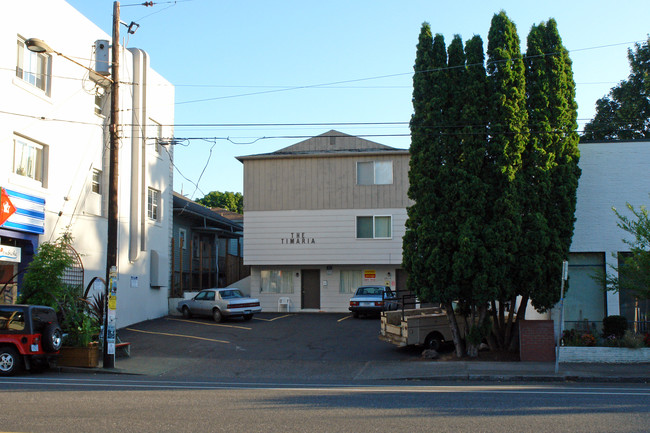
pixel 230 294
pixel 370 291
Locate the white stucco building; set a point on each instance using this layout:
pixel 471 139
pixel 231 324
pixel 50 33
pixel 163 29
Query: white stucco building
pixel 54 119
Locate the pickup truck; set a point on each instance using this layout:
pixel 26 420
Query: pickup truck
pixel 428 327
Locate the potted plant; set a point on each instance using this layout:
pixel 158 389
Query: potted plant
pixel 43 284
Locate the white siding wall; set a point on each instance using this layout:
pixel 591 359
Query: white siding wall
pixel 330 238
pixel 331 298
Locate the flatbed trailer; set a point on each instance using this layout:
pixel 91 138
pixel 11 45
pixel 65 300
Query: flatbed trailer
pixel 428 327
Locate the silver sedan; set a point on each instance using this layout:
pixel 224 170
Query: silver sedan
pixel 220 303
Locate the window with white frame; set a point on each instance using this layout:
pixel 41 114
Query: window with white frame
pixel 374 227
pixel 33 68
pixel 153 204
pixel 276 281
pixel 96 182
pixel 350 281
pixel 375 173
pixel 28 159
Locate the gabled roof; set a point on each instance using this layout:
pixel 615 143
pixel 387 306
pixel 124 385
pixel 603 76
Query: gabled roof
pixel 205 218
pixel 331 143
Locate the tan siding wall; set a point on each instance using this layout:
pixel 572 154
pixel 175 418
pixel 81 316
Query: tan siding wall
pixel 313 183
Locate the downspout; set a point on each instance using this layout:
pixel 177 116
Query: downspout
pixel 137 136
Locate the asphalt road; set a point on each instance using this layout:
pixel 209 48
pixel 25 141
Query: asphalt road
pixel 127 403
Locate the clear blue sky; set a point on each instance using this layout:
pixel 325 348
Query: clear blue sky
pixel 306 62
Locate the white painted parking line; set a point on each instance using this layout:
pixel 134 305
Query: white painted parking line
pixel 178 335
pixel 211 324
pixel 275 318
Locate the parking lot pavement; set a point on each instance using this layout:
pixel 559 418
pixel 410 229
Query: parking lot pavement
pixel 309 346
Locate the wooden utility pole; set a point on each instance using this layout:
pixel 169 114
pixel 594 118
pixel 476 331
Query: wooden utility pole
pixel 111 248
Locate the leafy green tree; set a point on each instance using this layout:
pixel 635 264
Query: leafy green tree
pixel 634 276
pixel 508 135
pixel 42 283
pixel 232 201
pixel 549 176
pixel 624 114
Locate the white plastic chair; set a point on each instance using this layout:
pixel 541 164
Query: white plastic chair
pixel 284 301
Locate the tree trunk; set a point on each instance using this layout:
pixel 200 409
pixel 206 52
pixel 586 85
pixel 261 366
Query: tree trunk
pixel 458 342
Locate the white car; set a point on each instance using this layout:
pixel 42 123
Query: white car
pixel 220 303
pixel 373 300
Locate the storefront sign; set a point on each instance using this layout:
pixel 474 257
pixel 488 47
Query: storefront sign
pixel 297 239
pixel 369 274
pixel 7 208
pixel 10 254
pixel 29 214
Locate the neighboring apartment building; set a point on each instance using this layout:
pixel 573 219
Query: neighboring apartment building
pixel 323 217
pixel 205 248
pixel 54 119
pixel 328 214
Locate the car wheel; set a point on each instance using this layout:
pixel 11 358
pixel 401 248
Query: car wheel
pixel 248 317
pixel 355 315
pixel 52 338
pixel 9 361
pixel 216 315
pixel 433 342
pixel 186 312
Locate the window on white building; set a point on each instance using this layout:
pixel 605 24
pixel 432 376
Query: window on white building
pixel 350 281
pixel 374 227
pixel 375 173
pixel 275 281
pixel 153 204
pixel 33 68
pixel 158 134
pixel 96 182
pixel 28 159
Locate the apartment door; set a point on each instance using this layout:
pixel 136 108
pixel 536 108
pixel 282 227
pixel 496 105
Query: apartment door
pixel 310 283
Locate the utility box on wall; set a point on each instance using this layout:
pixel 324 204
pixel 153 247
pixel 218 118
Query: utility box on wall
pixel 537 340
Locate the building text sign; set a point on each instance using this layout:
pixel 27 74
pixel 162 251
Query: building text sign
pixel 297 238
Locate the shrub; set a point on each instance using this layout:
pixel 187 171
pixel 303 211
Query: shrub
pixel 614 326
pixel 632 340
pixel 573 337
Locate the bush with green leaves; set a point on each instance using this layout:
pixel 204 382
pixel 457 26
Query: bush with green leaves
pixel 43 285
pixel 614 326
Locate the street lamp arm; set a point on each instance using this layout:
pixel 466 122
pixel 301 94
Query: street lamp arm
pixel 39 46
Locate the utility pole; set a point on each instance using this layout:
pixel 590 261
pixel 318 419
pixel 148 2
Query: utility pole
pixel 111 248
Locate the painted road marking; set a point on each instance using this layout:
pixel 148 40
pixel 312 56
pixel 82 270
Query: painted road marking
pixel 345 318
pixel 211 324
pixel 178 335
pixel 275 318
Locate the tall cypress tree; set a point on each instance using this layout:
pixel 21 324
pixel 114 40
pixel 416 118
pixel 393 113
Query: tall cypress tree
pixel 508 133
pixel 550 170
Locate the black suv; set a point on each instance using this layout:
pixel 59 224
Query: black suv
pixel 30 337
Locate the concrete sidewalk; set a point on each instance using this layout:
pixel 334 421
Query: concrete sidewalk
pixel 379 370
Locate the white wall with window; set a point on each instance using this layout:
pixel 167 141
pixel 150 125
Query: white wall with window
pixel 33 68
pixel 337 284
pixel 54 136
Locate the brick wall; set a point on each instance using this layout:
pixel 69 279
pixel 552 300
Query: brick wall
pixel 536 340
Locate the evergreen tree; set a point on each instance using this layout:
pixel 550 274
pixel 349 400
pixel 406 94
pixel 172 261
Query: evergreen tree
pixel 549 175
pixel 624 114
pixel 508 134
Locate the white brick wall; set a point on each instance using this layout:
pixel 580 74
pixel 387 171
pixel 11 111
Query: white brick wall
pixel 611 355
